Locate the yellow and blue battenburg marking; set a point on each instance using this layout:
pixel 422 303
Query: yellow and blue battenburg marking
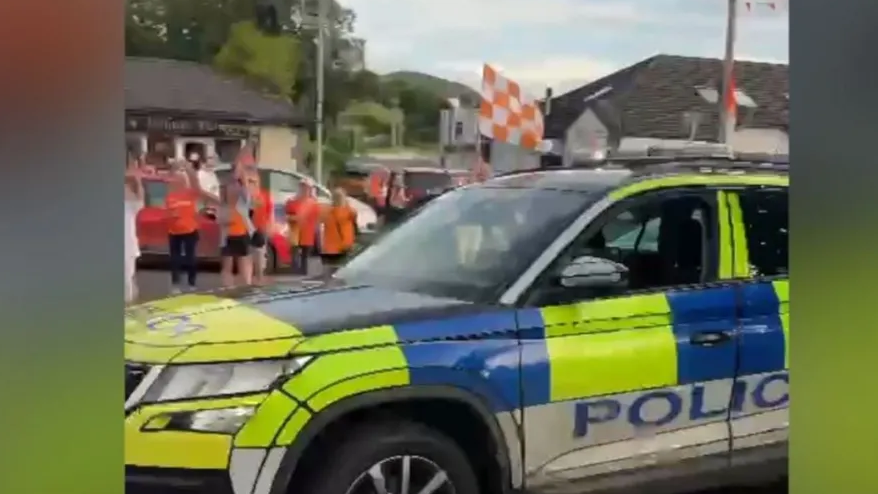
pixel 517 358
pixel 643 345
pixel 600 348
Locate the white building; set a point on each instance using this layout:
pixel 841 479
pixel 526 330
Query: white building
pixel 671 100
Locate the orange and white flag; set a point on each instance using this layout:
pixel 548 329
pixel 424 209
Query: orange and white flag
pixel 507 114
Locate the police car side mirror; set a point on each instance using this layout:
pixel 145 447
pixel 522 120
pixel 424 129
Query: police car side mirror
pixel 594 272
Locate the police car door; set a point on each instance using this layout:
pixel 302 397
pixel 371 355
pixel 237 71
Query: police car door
pixel 760 414
pixel 640 366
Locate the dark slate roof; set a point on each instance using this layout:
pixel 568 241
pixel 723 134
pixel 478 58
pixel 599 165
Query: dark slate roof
pixel 650 98
pixel 159 85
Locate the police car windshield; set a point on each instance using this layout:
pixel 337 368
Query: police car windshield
pixel 468 244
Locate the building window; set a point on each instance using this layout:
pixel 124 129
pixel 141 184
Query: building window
pixel 711 95
pixel 134 145
pixel 194 151
pixel 744 99
pixel 227 149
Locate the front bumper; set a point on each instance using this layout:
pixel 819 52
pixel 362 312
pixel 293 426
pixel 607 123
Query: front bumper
pixel 145 480
pixel 162 460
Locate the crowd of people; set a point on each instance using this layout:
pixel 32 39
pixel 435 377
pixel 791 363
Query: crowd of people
pixel 244 212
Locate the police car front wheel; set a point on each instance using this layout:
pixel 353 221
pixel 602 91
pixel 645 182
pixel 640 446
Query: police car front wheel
pixel 394 458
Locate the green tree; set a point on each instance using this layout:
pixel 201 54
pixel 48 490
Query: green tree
pixel 192 30
pixel 419 105
pixel 268 62
pixel 341 27
pixel 365 85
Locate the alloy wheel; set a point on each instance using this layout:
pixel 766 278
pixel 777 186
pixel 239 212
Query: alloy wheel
pixel 403 475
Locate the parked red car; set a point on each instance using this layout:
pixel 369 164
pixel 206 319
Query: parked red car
pixel 419 182
pixel 152 229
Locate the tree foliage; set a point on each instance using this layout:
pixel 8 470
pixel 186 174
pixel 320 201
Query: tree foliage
pixel 268 62
pixel 221 32
pixel 193 30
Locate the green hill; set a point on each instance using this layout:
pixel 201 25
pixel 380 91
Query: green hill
pixel 437 85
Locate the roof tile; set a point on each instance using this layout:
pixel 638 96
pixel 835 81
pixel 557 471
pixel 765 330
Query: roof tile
pixel 652 97
pixel 153 84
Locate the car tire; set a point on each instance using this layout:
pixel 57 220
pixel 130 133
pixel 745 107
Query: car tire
pixel 387 443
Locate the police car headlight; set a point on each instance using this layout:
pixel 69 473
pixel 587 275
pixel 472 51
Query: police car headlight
pixel 228 420
pixel 221 420
pixel 178 382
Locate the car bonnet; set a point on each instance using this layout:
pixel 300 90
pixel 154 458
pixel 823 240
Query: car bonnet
pixel 252 323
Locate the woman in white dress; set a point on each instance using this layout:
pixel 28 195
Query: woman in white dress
pixel 133 203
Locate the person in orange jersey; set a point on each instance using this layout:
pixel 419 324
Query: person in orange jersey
pixel 303 217
pixel 378 186
pixel 236 231
pixel 181 207
pixel 339 230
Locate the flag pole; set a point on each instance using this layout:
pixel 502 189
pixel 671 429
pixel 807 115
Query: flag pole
pixel 476 169
pixel 321 89
pixel 727 118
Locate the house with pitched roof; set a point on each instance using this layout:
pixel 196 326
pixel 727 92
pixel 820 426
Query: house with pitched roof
pixel 670 100
pixel 174 108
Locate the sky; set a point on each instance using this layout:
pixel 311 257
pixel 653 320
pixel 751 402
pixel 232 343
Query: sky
pixel 557 43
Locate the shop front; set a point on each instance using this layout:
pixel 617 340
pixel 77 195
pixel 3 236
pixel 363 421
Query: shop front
pixel 178 137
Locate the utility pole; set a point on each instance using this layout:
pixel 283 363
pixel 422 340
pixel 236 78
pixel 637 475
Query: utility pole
pixel 321 66
pixel 727 119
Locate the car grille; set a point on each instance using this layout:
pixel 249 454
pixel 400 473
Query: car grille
pixel 150 480
pixel 134 374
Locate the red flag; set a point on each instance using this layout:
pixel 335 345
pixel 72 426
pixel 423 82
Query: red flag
pixel 772 6
pixel 730 100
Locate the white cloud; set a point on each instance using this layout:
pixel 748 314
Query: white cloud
pixel 761 58
pixel 560 43
pixel 421 17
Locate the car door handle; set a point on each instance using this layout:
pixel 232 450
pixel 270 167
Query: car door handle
pixel 710 338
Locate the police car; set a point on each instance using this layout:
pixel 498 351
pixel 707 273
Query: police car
pixel 621 326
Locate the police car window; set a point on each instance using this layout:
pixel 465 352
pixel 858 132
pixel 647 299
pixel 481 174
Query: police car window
pixel 663 243
pixel 766 219
pixel 477 242
pixel 642 237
